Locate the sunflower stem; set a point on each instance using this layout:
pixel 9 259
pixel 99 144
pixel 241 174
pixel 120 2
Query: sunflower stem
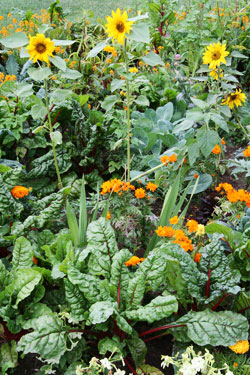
pixel 128 110
pixel 51 131
pixel 243 129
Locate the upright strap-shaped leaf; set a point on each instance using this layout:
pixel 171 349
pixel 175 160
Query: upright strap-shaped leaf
pixel 22 254
pixel 75 299
pixel 83 219
pixel 48 338
pixel 159 308
pixel 102 244
pixel 214 328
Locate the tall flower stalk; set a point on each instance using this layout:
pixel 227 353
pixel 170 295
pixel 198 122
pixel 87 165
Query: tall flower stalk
pixel 128 110
pixel 50 132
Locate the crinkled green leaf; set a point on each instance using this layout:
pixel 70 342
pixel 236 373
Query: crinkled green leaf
pixel 101 311
pixel 26 280
pixel 222 278
pixel 88 284
pixel 111 345
pixel 120 274
pixel 148 370
pixel 215 328
pixel 22 254
pixel 48 338
pixel 8 356
pixel 135 291
pixel 186 270
pixel 159 308
pixel 102 244
pixel 75 299
pixel 153 269
pixel 138 350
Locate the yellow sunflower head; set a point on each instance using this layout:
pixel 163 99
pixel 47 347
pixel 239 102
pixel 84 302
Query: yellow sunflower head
pixel 234 99
pixel 216 73
pixel 118 26
pixel 215 55
pixel 40 48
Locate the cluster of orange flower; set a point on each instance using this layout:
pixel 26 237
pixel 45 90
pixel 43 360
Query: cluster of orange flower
pixel 234 195
pixel 179 234
pixel 217 150
pixel 133 261
pixel 8 77
pixel 246 152
pixel 168 159
pixel 117 186
pixel 179 17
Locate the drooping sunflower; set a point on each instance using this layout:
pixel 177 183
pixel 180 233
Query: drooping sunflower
pixel 118 26
pixel 40 48
pixel 215 55
pixel 234 99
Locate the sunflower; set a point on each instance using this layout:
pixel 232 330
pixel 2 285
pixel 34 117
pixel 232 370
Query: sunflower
pixel 118 26
pixel 40 48
pixel 215 73
pixel 215 55
pixel 234 99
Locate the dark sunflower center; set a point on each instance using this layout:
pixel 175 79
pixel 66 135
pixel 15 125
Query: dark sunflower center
pixel 233 97
pixel 120 27
pixel 40 48
pixel 216 55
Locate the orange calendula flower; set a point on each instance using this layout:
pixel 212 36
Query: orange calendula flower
pixel 174 220
pixel 133 261
pixel 165 231
pixel 172 158
pixel 197 257
pixel 192 226
pixel 246 152
pixel 196 175
pixel 151 186
pixel 222 141
pixel 35 260
pixel 241 347
pixel 235 364
pixel 234 195
pixel 108 216
pixel 216 150
pixel 140 193
pixel 20 191
pixel 168 159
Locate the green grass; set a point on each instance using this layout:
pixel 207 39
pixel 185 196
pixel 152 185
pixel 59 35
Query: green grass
pixel 101 8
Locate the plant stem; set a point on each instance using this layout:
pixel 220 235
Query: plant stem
pixel 148 172
pixel 244 130
pixel 128 110
pixel 51 131
pixel 161 329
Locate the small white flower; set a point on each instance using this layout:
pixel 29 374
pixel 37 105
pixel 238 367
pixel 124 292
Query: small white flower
pixel 198 363
pixel 105 362
pixel 229 372
pixel 120 372
pixel 188 370
pixel 79 370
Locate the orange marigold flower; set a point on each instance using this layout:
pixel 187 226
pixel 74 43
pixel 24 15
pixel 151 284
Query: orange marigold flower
pixel 35 260
pixel 152 187
pixel 196 175
pixel 108 216
pixel 174 220
pixel 164 159
pixel 222 141
pixel 216 150
pixel 235 364
pixel 241 347
pixel 140 193
pixel 197 257
pixel 89 106
pixel 133 261
pixel 165 231
pixel 20 191
pixel 192 225
pixel 172 158
pixel 246 152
